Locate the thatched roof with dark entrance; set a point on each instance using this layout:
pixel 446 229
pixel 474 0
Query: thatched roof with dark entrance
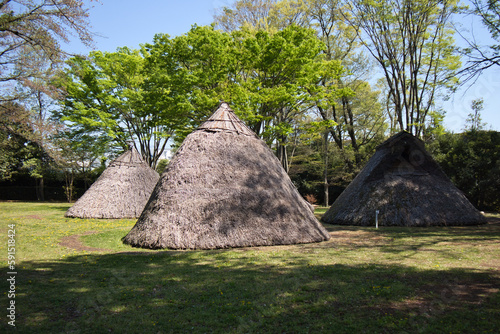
pixel 408 188
pixel 224 188
pixel 122 190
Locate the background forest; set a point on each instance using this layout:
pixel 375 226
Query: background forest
pixel 300 73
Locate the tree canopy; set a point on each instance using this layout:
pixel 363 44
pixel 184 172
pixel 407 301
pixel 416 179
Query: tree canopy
pixel 266 77
pixel 413 44
pixel 301 73
pixel 103 94
pixel 472 161
pixel 31 32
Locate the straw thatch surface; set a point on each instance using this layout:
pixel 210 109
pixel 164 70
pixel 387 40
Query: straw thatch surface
pixel 408 188
pixel 224 188
pixel 121 191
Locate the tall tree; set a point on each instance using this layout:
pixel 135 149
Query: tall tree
pixel 31 37
pixel 104 94
pixel 14 127
pixel 339 35
pixel 334 97
pixel 36 26
pixel 39 154
pixel 413 44
pixel 25 140
pixel 265 76
pixel 79 154
pixel 43 129
pixel 188 75
pixel 473 122
pixel 244 13
pixel 472 161
pixel 282 70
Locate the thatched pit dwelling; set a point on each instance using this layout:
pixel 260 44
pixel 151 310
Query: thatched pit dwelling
pixel 408 188
pixel 224 188
pixel 122 190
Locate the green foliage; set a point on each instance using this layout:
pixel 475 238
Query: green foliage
pixel 472 161
pixel 11 148
pixel 435 127
pixel 162 164
pixel 319 126
pixel 21 146
pixel 307 165
pixel 90 98
pixel 189 75
pixel 341 97
pixel 266 77
pixel 283 72
pixel 250 14
pixel 473 121
pixel 104 95
pixel 412 41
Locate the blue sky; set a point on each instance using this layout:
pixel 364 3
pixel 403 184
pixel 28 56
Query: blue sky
pixel 130 23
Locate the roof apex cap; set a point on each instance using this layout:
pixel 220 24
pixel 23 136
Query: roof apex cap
pixel 225 120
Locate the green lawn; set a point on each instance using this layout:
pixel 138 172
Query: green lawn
pixel 364 280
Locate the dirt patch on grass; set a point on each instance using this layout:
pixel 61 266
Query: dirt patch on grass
pixel 33 217
pixel 74 242
pixel 357 238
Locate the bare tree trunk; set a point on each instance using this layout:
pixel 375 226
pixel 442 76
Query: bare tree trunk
pixel 40 196
pixel 69 188
pixel 282 154
pixel 349 119
pixel 325 172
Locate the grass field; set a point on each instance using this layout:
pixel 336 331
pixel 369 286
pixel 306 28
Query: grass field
pixel 364 280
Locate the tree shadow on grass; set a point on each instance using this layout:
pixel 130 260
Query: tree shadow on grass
pixel 228 291
pixel 394 239
pixel 62 208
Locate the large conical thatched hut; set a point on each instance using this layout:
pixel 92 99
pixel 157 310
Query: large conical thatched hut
pixel 407 187
pixel 224 188
pixel 122 190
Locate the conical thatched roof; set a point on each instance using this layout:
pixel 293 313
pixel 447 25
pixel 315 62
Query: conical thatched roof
pixel 224 188
pixel 121 191
pixel 408 188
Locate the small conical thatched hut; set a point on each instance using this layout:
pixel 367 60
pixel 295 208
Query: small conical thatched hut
pixel 224 188
pixel 407 187
pixel 122 190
